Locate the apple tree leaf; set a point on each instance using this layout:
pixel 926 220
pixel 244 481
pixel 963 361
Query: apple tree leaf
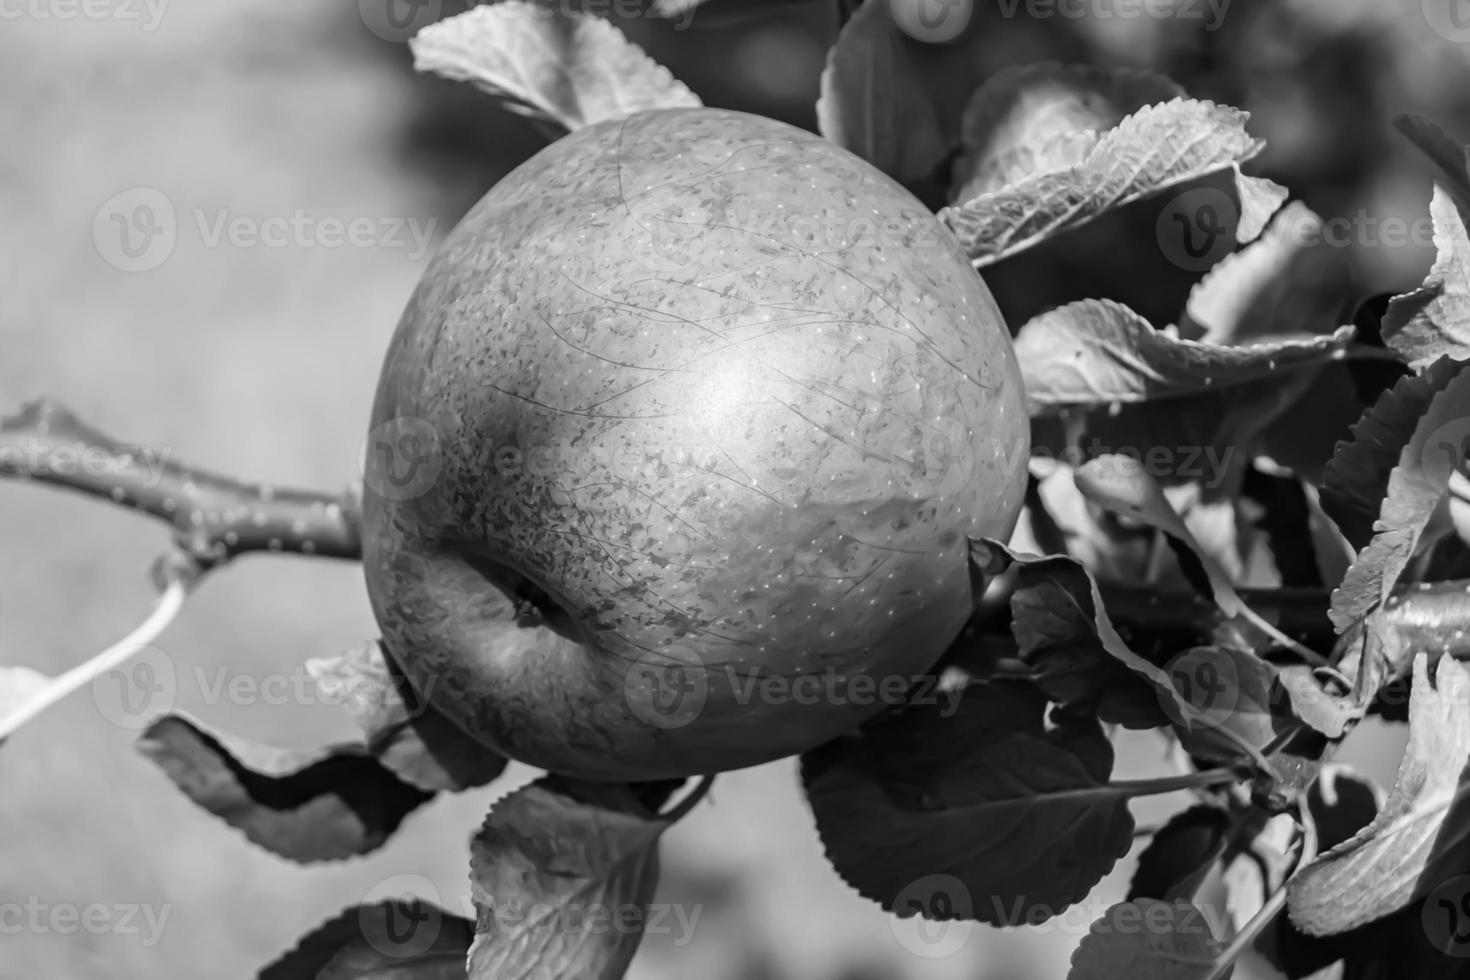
pixel 1055 624
pixel 400 939
pixel 1355 481
pixel 1434 320
pixel 401 727
pixel 1259 200
pixel 1148 939
pixel 1181 854
pixel 1419 836
pixel 1123 485
pixel 893 100
pixel 1072 594
pixel 1016 815
pixel 305 804
pixel 1150 150
pixel 1414 511
pixel 1430 321
pixel 1442 150
pixel 1230 691
pixel 1100 353
pixel 1287 283
pixel 1206 440
pixel 1045 116
pixel 1316 698
pixel 561 874
pixel 872 99
pixel 565 69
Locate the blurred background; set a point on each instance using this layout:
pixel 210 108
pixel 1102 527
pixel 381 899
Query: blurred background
pixel 257 355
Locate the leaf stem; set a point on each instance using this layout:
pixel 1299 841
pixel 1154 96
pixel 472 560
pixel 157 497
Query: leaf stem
pixel 691 801
pixel 1203 779
pixel 1272 908
pixel 164 610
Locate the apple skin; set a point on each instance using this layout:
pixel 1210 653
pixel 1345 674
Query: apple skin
pixel 723 404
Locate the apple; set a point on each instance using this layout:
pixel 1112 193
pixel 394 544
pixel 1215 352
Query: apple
pixel 678 447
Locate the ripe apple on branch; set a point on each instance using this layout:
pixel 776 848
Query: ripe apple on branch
pixel 703 443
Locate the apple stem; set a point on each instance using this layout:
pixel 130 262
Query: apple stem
pixel 214 517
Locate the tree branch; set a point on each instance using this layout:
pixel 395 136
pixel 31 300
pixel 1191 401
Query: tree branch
pixel 214 518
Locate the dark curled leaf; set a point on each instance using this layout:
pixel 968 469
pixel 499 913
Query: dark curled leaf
pixel 1053 620
pixel 400 727
pixel 1178 859
pixel 394 940
pixel 1071 622
pixel 1230 691
pixel 562 873
pixel 1014 818
pixel 1150 940
pixel 306 805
